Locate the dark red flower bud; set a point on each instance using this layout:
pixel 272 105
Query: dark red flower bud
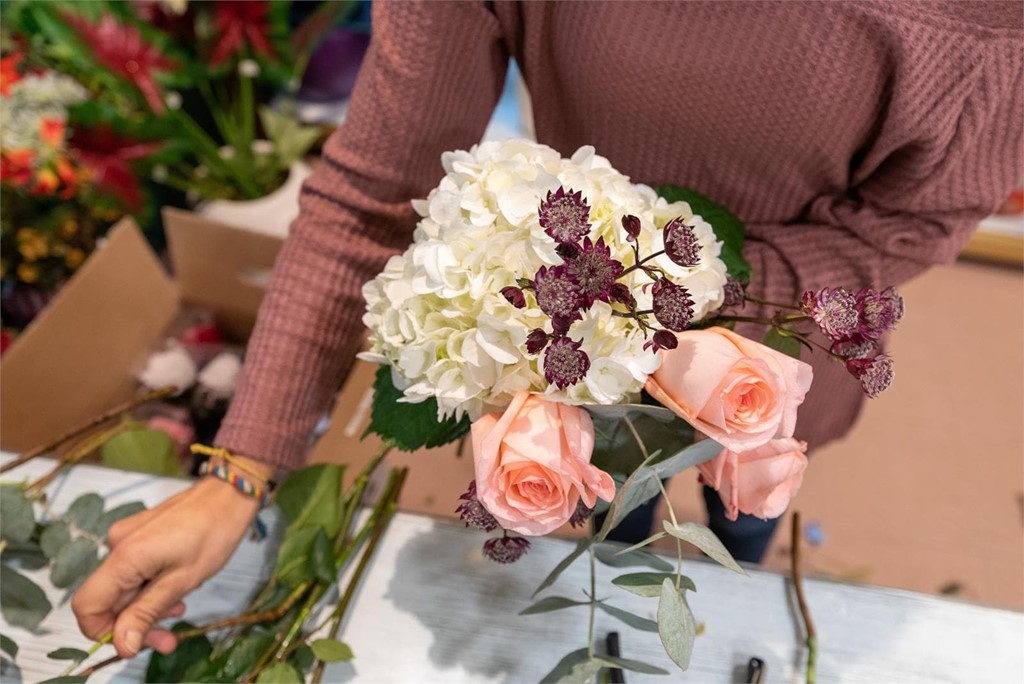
pixel 536 341
pixel 514 296
pixel 567 250
pixel 631 224
pixel 506 549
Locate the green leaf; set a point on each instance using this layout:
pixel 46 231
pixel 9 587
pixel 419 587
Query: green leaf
pixel 147 451
pixel 173 666
pixel 17 521
pixel 118 513
pixel 54 537
pixel 293 565
pixel 8 646
pixel 676 625
pixel 75 654
pixel 705 540
pixel 280 673
pixel 620 556
pixel 66 679
pixel 312 496
pixel 615 447
pixel 565 667
pixel 648 584
pixel 632 665
pixel 74 562
pixel 27 555
pixel 243 655
pixel 321 558
pixel 643 484
pixel 85 512
pixel 581 546
pixel 291 139
pixel 331 650
pixel 303 658
pixel 640 544
pixel 630 619
pixel 409 426
pixel 789 346
pixel 22 602
pixel 728 228
pixel 546 605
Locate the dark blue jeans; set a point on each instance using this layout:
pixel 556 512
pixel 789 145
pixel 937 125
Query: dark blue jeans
pixel 746 539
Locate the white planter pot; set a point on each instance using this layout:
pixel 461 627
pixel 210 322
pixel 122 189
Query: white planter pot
pixel 271 215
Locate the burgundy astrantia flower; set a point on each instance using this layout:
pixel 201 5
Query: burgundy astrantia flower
pixel 662 339
pixel 681 244
pixel 581 514
pixel 506 549
pixel 473 513
pixel 620 293
pixel 672 305
pixel 855 347
pixel 878 311
pixel 122 49
pixel 557 294
pixel 567 250
pixel 875 373
pixel 594 272
pixel 514 295
pixel 238 21
pixel 834 310
pixel 735 295
pixel 631 224
pixel 565 363
pixel 565 216
pixel 536 341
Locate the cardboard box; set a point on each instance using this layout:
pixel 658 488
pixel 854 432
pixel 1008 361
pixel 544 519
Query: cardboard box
pixel 79 357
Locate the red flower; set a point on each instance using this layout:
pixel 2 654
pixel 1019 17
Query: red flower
pixel 238 20
pixel 107 156
pixel 51 131
pixel 16 166
pixel 9 74
pixel 122 49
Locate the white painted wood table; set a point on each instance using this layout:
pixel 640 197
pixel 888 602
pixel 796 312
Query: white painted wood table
pixel 431 609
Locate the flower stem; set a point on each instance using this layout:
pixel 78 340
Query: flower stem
pixel 777 305
pixel 593 603
pixel 76 454
pixel 104 640
pixel 805 613
pixel 641 262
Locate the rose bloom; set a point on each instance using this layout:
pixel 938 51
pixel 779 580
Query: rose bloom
pixel 533 464
pixel 738 392
pixel 759 482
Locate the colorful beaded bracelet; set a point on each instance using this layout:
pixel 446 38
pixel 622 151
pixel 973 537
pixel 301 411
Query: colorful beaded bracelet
pixel 226 471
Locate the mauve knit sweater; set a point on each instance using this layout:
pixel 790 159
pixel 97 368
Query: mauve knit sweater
pixel 861 142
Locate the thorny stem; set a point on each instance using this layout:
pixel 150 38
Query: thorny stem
pixel 94 423
pixel 805 613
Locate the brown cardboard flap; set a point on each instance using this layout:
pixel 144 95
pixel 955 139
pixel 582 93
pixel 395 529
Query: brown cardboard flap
pixel 72 363
pixel 220 267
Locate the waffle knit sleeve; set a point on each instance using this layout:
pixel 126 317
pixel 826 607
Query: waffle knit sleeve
pixel 429 83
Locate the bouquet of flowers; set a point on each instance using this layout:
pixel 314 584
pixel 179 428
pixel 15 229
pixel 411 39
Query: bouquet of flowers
pixel 579 327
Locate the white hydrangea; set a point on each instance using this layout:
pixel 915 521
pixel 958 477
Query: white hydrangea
pixel 436 313
pixel 34 98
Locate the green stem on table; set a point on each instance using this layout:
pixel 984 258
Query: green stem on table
pixel 805 613
pixel 93 423
pixel 593 603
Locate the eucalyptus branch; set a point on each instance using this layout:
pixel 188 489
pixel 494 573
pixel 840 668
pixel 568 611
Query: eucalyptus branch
pixel 593 603
pixel 91 424
pixel 805 613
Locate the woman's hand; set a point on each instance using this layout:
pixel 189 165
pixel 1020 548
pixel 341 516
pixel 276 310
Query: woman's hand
pixel 157 557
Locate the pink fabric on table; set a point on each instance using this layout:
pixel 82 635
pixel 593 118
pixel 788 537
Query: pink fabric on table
pixel 860 141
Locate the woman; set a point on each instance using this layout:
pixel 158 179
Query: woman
pixel 860 142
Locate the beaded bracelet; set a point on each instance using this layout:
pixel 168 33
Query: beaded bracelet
pixel 225 471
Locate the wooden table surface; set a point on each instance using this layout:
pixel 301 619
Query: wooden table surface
pixel 431 609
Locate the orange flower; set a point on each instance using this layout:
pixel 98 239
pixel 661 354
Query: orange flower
pixel 28 273
pixel 9 74
pixel 66 173
pixel 16 166
pixel 46 182
pixel 51 131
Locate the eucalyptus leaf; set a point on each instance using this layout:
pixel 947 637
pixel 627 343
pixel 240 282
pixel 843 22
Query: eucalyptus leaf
pixel 243 654
pixel 331 650
pixel 85 512
pixel 117 513
pixel 54 537
pixel 551 603
pixel 17 521
pixel 619 556
pixel 727 227
pixel 28 555
pixel 75 654
pixel 280 673
pixel 631 665
pixel 321 558
pixel 409 426
pixel 22 602
pixel 143 450
pixel 785 344
pixel 705 540
pixel 640 544
pixel 581 546
pixel 648 584
pixel 184 659
pixel 564 668
pixel 74 561
pixel 630 619
pixel 643 484
pixel 8 646
pixel 615 446
pixel 676 625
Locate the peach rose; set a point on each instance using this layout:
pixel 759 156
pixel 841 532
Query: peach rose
pixel 758 482
pixel 533 464
pixel 738 392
